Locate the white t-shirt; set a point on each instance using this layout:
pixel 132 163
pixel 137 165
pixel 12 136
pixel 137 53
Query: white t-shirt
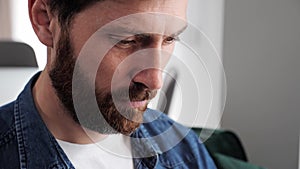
pixel 114 152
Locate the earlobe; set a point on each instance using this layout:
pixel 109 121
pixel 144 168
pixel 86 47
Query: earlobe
pixel 40 18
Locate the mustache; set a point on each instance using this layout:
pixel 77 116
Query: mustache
pixel 135 92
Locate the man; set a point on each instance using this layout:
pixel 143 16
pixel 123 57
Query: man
pixel 88 108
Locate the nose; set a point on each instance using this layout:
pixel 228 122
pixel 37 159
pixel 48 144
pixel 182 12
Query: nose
pixel 151 73
pixel 152 78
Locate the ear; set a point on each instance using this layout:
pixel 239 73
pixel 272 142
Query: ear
pixel 40 18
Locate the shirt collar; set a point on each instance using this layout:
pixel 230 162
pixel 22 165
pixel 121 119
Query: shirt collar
pixel 34 139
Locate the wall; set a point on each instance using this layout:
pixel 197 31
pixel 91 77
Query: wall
pixel 22 30
pixel 262 62
pixel 15 25
pixel 5 28
pixel 10 87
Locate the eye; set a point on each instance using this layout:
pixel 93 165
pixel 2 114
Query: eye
pixel 170 40
pixel 126 43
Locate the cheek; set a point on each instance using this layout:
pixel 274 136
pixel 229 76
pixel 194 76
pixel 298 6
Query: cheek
pixel 109 67
pixel 167 54
pixel 104 75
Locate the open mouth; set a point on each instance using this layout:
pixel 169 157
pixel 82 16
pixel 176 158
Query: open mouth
pixel 134 104
pixel 138 104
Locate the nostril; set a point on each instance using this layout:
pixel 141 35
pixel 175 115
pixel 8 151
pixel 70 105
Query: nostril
pixel 138 86
pixel 151 78
pixel 135 89
pixel 140 92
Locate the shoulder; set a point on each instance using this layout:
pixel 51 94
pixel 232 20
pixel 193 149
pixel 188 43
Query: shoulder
pixel 179 145
pixel 157 123
pixel 8 138
pixel 6 118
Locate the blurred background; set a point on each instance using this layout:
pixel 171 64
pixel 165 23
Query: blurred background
pixel 258 43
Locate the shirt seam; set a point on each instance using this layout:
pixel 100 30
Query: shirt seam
pixel 19 133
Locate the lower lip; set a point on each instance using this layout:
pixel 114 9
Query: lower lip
pixel 138 104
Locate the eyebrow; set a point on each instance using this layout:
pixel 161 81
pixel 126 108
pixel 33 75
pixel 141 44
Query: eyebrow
pixel 123 30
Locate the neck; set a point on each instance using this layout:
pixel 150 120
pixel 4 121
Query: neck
pixel 58 121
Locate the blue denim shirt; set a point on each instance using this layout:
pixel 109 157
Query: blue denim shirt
pixel 26 143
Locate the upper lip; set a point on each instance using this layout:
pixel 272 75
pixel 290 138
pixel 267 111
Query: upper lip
pixel 137 100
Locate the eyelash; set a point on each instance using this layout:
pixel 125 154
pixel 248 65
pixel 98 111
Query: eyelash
pixel 174 39
pixel 127 43
pixel 131 42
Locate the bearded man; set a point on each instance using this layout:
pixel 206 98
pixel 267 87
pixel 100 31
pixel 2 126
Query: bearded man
pixel 88 107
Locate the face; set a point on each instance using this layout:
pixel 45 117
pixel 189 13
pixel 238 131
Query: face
pixel 130 72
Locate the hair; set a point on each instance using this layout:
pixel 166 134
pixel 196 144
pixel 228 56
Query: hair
pixel 66 9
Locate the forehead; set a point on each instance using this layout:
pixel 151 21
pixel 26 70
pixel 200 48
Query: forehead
pixel 139 23
pixel 176 7
pixel 115 15
pixel 109 10
pixel 102 13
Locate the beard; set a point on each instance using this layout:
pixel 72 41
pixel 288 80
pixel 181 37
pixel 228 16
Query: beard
pixel 106 118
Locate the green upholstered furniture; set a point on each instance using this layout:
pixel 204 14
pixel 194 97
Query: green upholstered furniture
pixel 225 149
